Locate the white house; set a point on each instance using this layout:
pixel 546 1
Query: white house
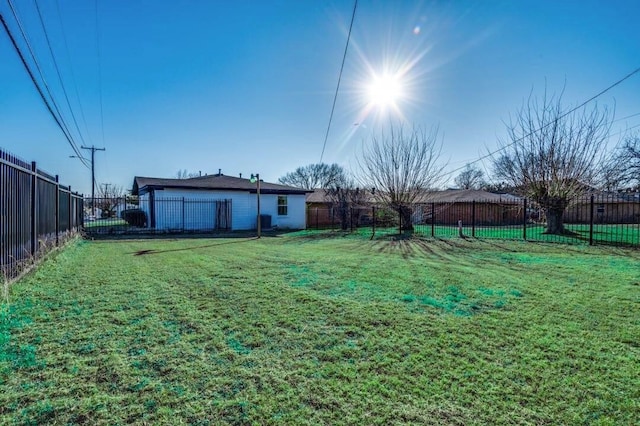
pixel 217 202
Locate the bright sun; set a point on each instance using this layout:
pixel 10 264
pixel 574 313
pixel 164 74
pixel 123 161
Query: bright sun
pixel 385 90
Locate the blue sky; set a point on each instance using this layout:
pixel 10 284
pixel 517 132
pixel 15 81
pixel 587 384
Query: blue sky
pixel 247 86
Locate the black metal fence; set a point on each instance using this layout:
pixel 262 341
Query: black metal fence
pixel 131 215
pixel 612 219
pixel 36 213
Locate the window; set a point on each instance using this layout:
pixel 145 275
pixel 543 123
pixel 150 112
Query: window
pixel 282 205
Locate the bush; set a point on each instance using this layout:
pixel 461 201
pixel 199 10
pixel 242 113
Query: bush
pixel 134 217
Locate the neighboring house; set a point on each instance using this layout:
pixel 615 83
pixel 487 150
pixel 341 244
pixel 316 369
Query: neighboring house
pixel 218 202
pixel 319 209
pixel 450 206
pixel 607 208
pixel 323 210
pixel 469 206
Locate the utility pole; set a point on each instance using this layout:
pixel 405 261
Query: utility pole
pixel 93 150
pixel 256 179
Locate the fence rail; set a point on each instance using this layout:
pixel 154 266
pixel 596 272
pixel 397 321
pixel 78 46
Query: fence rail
pixel 611 219
pixel 36 213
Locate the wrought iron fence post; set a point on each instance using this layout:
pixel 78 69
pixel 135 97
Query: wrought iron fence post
pixel 78 219
pixel 591 220
pixel 524 219
pixel 350 219
pixel 373 221
pixel 57 210
pixel 152 210
pixel 473 219
pixel 333 219
pixel 317 227
pixel 433 219
pixel 34 208
pixel 79 207
pixel 183 215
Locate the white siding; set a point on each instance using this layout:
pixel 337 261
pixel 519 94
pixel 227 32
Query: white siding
pixel 295 217
pixel 199 214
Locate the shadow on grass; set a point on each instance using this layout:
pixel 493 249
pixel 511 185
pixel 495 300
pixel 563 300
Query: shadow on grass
pixel 407 248
pixel 501 247
pixel 318 235
pixel 414 246
pixel 183 235
pixel 153 251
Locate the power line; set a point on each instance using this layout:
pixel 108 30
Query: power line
pixel 99 72
pixel 59 118
pixel 335 97
pixel 100 91
pixel 55 64
pixel 37 65
pixel 624 118
pixel 93 150
pixel 73 76
pixel 625 130
pixel 502 148
pixel 40 92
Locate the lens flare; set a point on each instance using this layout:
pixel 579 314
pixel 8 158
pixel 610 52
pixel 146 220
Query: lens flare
pixel 385 90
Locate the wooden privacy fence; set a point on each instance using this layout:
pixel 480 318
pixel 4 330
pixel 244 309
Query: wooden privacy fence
pixel 36 213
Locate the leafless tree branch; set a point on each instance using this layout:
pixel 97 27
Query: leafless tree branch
pixel 402 166
pixel 552 156
pixel 470 178
pixel 315 176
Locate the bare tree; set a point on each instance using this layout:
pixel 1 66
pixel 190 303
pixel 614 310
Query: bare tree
pixel 551 155
pixel 313 176
pixel 470 178
pixel 623 167
pixel 631 157
pixel 184 174
pixel 497 187
pixel 347 197
pixel 402 166
pixel 109 196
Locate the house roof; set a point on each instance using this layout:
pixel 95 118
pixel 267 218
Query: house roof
pixel 317 196
pixel 320 195
pixel 466 196
pixel 143 184
pixel 611 197
pixel 448 196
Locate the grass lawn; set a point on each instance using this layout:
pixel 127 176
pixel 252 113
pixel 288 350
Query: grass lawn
pixel 624 234
pixel 114 221
pixel 314 328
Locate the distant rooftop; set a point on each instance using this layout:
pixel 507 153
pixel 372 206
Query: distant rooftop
pixel 142 185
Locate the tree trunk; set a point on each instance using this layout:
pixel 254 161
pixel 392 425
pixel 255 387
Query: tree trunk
pixel 407 222
pixel 344 217
pixel 555 222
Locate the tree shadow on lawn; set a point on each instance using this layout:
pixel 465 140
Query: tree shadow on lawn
pixel 495 245
pixel 409 247
pixel 322 234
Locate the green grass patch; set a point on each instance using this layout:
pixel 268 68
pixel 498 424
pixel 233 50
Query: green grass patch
pixel 117 222
pixel 324 328
pixel 625 234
